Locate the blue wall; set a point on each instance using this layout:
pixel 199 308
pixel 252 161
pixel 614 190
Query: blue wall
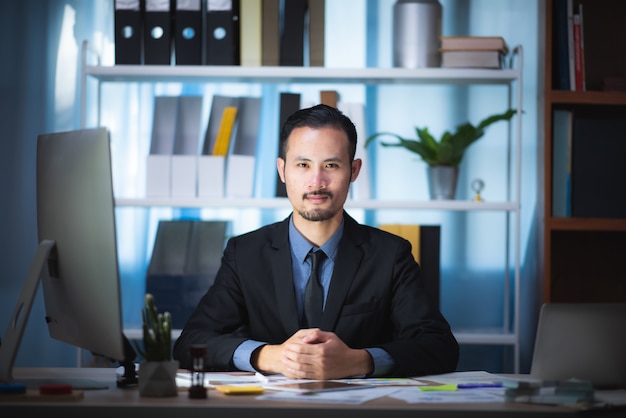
pixel 23 104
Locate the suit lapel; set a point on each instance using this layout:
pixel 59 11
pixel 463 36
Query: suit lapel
pixel 349 256
pixel 283 278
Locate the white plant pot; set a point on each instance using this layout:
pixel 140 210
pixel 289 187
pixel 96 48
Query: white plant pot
pixel 157 378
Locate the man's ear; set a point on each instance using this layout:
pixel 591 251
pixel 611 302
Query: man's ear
pixel 355 169
pixel 280 166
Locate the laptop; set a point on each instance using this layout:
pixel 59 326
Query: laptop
pixel 581 341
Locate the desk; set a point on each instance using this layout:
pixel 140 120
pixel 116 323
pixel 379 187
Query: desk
pixel 121 403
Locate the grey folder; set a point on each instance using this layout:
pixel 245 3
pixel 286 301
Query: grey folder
pixel 189 116
pixel 581 341
pixel 164 125
pixel 185 259
pixel 249 117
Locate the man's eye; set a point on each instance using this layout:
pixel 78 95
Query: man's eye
pixel 303 165
pixel 331 165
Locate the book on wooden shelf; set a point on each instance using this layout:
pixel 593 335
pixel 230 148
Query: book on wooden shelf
pixel 562 125
pixel 452 43
pixel 579 51
pixel 472 59
pixel 570 45
pixel 560 63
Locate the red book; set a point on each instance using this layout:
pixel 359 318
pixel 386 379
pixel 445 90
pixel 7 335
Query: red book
pixel 578 54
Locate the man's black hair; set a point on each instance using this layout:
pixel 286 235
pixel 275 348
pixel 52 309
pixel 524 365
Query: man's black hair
pixel 319 116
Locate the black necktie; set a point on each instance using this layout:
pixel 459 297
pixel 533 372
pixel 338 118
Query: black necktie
pixel 314 293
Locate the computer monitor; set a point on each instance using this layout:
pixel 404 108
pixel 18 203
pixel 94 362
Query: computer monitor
pixel 76 261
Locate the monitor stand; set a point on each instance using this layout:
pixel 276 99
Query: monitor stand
pixel 129 379
pixel 43 263
pixel 13 337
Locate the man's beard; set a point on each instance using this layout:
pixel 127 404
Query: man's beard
pixel 318 214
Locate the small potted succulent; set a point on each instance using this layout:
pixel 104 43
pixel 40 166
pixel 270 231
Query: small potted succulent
pixel 157 372
pixel 443 156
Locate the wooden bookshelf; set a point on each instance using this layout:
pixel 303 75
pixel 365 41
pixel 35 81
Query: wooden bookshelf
pixel 583 257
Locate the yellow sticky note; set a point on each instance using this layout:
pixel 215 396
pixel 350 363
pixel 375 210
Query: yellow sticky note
pixel 448 387
pixel 239 390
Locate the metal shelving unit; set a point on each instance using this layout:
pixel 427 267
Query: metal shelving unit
pixel 510 77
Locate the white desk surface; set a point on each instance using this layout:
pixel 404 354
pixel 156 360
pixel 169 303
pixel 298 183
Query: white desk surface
pixel 120 403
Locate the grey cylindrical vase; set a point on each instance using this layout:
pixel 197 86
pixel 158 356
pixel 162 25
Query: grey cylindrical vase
pixel 416 33
pixel 442 182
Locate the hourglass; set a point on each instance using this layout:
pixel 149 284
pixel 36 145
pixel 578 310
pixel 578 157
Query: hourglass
pixel 197 389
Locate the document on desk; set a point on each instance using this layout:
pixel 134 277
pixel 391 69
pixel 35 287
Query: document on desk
pixel 470 378
pixel 458 387
pixel 348 397
pixel 415 395
pixel 211 379
pixel 387 381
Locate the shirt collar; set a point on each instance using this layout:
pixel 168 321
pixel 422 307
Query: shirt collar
pixel 300 246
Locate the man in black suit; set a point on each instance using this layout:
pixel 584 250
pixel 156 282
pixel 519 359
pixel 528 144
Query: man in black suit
pixel 377 319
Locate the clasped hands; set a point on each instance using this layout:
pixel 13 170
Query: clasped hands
pixel 313 354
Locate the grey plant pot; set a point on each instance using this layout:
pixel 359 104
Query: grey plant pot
pixel 442 182
pixel 157 378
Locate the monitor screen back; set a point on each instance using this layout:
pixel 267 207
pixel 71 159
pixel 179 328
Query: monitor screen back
pixel 75 209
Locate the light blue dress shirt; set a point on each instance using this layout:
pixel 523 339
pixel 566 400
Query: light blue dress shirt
pixel 300 247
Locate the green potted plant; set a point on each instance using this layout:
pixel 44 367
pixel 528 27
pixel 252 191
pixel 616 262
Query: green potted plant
pixel 443 156
pixel 157 372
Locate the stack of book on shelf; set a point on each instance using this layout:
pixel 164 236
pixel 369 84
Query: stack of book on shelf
pixel 473 51
pixel 569 46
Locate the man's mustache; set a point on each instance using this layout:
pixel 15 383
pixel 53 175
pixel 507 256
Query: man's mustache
pixel 318 193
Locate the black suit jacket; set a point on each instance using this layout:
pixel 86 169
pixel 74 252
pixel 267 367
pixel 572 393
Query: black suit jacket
pixel 376 299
